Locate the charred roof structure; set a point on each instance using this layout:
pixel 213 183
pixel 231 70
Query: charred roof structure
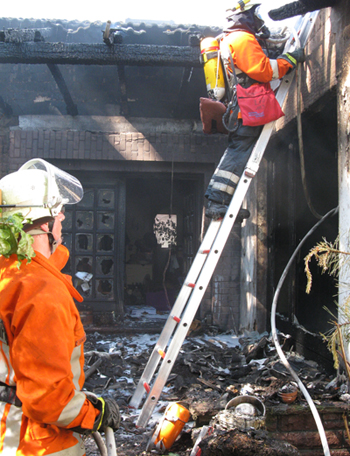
pixel 117 105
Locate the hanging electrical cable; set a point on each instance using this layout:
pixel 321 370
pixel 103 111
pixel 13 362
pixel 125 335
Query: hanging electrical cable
pixel 170 213
pixel 275 338
pixel 301 146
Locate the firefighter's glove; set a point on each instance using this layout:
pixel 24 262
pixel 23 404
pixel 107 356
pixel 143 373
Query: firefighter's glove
pixel 295 57
pixel 110 415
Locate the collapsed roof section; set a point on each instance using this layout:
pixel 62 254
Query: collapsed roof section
pixel 153 69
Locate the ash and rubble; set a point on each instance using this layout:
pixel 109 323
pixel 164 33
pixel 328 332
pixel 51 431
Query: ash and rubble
pixel 211 369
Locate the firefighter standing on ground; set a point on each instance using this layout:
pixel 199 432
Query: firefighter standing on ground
pixel 43 410
pixel 252 66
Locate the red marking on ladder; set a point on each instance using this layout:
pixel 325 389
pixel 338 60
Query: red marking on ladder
pixel 162 354
pixel 206 251
pixel 191 285
pixel 177 319
pixel 249 174
pixel 147 387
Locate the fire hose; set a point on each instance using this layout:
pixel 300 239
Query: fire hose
pixel 278 347
pixel 108 448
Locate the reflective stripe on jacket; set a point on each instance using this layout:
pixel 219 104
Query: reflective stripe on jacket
pixel 42 354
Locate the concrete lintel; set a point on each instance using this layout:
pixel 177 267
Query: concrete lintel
pixel 108 124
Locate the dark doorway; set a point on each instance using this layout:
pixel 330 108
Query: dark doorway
pixel 154 268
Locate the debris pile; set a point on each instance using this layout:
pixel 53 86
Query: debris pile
pixel 211 370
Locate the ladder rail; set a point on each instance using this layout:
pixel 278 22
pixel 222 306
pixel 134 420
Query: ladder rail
pixel 194 301
pixel 195 296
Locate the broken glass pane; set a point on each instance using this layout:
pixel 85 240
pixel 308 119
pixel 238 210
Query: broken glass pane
pixel 84 220
pixel 105 242
pixel 104 265
pixel 83 264
pixel 83 282
pixel 104 287
pixel 105 198
pixel 88 199
pixel 83 242
pixel 105 220
pixel 84 288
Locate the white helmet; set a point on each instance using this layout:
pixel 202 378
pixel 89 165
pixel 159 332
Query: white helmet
pixel 38 189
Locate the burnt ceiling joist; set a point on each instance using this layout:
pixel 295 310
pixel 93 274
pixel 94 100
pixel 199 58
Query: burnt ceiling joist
pixel 99 54
pixel 72 109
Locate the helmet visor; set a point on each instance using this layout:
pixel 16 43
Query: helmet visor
pixel 63 188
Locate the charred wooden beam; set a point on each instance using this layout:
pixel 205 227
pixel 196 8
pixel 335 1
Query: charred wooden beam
pixel 99 54
pixel 72 109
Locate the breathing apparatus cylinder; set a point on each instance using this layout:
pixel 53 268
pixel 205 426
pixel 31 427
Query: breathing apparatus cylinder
pixel 213 71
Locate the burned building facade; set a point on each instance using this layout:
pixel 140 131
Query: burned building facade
pixel 117 105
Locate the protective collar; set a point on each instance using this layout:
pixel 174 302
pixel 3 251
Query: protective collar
pixel 245 20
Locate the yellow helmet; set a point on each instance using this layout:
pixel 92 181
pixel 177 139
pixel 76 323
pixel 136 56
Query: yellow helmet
pixel 243 5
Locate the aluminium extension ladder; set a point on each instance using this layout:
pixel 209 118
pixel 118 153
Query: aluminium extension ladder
pixel 208 255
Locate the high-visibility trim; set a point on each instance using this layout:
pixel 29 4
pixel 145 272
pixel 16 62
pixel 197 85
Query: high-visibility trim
pixel 227 175
pixel 76 450
pixel 223 188
pixel 71 410
pixel 102 411
pixel 275 71
pixel 10 427
pixel 75 365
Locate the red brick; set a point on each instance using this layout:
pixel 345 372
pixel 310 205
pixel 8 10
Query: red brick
pixel 296 423
pixel 311 439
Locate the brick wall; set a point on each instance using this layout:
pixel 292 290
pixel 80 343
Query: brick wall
pixel 85 145
pixel 295 424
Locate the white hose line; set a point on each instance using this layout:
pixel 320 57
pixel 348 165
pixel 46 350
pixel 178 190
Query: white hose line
pixel 100 443
pixel 278 347
pixel 110 442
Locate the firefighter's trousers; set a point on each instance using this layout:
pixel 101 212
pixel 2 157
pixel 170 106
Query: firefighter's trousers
pixel 226 176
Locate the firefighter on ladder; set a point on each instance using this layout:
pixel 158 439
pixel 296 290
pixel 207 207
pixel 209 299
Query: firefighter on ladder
pixel 43 410
pixel 240 44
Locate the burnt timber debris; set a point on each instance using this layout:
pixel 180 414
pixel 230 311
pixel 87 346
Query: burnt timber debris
pixel 99 54
pixel 208 374
pixel 29 46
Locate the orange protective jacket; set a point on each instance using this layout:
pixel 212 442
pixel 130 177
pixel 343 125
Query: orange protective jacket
pixel 41 345
pixel 249 57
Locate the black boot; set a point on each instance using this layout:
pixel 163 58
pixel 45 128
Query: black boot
pixel 216 211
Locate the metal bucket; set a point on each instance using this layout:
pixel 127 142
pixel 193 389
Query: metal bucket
pixel 243 413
